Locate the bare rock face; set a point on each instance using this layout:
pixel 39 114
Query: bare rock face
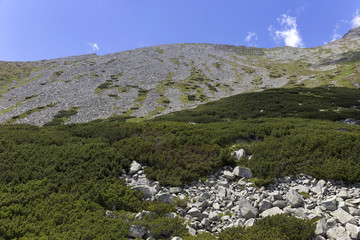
pixel 355 32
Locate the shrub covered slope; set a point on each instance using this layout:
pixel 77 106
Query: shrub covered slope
pixel 58 181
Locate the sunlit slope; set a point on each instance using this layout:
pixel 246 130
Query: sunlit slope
pixel 156 80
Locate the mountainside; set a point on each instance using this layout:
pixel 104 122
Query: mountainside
pixel 151 81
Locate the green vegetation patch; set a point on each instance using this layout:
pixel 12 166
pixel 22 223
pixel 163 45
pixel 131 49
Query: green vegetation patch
pixel 62 116
pixel 340 103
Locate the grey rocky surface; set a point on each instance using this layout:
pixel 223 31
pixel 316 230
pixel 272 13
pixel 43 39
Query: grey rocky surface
pixel 219 202
pixel 164 73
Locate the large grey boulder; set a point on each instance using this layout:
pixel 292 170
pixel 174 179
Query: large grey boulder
pixel 329 204
pixel 271 212
pixel 247 210
pixel 321 228
pixel 163 197
pixel 204 196
pixel 146 191
pixel 338 233
pixel 137 231
pixel 194 212
pixel 143 181
pixel 213 216
pixel 242 172
pixel 343 216
pixel 280 204
pixel 134 167
pixel 353 230
pixel 319 188
pixel 264 205
pixel 294 198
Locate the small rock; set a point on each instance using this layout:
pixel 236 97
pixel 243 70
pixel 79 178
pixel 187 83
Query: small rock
pixel 242 172
pixel 280 204
pixel 229 175
pixel 191 230
pixel 134 167
pixel 294 198
pixel 264 205
pixel 194 212
pixel 147 192
pixel 137 231
pixel 271 212
pixel 213 216
pixel 205 222
pixel 175 190
pixel 163 197
pixel 321 227
pixel 205 196
pixel 238 154
pixel 176 238
pixel 250 222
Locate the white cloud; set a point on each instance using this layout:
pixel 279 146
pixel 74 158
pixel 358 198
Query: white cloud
pixel 94 46
pixel 250 36
pixel 335 35
pixel 355 22
pixel 289 32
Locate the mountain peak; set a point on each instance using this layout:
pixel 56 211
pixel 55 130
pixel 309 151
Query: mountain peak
pixel 355 32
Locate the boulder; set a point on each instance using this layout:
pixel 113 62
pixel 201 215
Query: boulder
pixel 137 231
pixel 176 238
pixel 337 233
pixel 163 197
pixel 194 212
pixel 294 198
pixel 321 228
pixel 191 230
pixel 175 190
pixel 319 188
pixel 134 167
pixel 229 175
pixel 329 204
pixel 238 154
pixel 264 205
pixel 146 191
pixel 203 197
pixel 271 212
pixel 247 210
pixel 343 216
pixel 213 216
pixel 242 172
pixel 143 181
pixel 353 230
pixel 280 204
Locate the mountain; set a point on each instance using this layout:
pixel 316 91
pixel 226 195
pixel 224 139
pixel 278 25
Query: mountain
pixel 156 80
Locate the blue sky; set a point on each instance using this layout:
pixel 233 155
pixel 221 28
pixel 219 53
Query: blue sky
pixel 45 29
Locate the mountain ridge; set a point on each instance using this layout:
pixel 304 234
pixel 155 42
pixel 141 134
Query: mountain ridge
pixel 156 80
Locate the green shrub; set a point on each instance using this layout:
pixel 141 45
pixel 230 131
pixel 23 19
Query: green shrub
pixel 279 227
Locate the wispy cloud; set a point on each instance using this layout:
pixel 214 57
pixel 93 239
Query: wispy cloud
pixel 355 22
pixel 94 46
pixel 251 38
pixel 289 32
pixel 335 35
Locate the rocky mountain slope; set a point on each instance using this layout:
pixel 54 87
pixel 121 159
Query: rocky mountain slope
pixel 151 81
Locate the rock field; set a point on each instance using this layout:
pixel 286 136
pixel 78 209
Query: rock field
pixel 228 199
